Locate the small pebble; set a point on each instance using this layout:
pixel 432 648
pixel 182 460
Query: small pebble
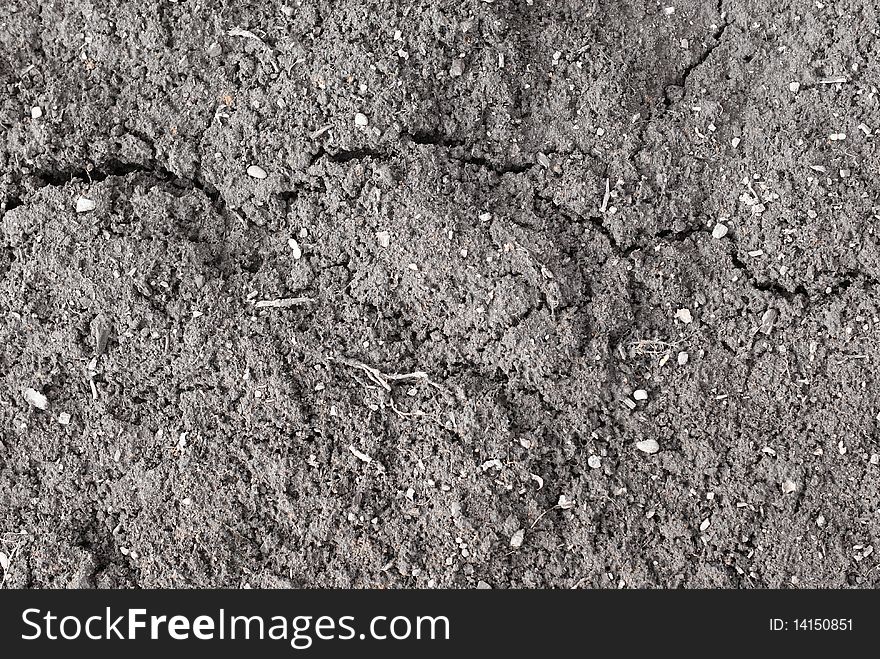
pixel 640 394
pixel 64 418
pixel 683 358
pixel 794 87
pixel 295 248
pixel 482 585
pixel 820 521
pixel 457 68
pixel 36 399
pixel 719 231
pixel 384 238
pixel 684 315
pixel 516 539
pixel 255 171
pixel 594 461
pixel 84 205
pixel 649 446
pixel 36 112
pixel 360 119
pixel 788 486
pixel 704 524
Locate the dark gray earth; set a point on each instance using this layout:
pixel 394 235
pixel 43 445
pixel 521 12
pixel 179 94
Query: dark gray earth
pixel 459 232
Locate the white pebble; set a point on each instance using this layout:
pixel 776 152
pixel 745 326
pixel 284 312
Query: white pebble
pixel 516 539
pixel 683 358
pixel 594 461
pixel 640 394
pixel 704 524
pixel 36 112
pixel 384 238
pixel 295 248
pixel 794 87
pixel 256 171
pixel 36 399
pixel 719 231
pixel 64 418
pixel 649 446
pixel 84 205
pixel 360 119
pixel 684 315
pixel 788 486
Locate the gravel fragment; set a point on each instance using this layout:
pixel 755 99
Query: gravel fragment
pixel 684 315
pixel 640 394
pixel 360 119
pixel 516 539
pixel 84 205
pixel 788 486
pixel 255 171
pixel 649 446
pixel 594 461
pixel 719 231
pixel 36 399
pixel 683 358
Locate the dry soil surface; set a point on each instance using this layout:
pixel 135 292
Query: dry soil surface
pixel 517 293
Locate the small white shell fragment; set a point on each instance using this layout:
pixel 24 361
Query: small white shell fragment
pixel 537 479
pixel 705 524
pixel 683 358
pixel 360 455
pixel 295 249
pixel 84 205
pixel 36 112
pixel 64 418
pixel 255 171
pixel 684 315
pixel 516 539
pixel 649 446
pixel 788 486
pixel 719 231
pixel 360 119
pixel 564 502
pixel 384 238
pixel 640 394
pixel 794 87
pixel 36 399
pixel 594 461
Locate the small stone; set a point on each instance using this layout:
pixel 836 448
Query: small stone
pixel 719 231
pixel 640 394
pixel 295 248
pixel 457 68
pixel 875 459
pixel 384 238
pixel 36 112
pixel 594 461
pixel 788 486
pixel 683 358
pixel 564 502
pixel 820 521
pixel 64 418
pixel 482 585
pixel 255 171
pixel 84 205
pixel 516 539
pixel 705 524
pixel 215 50
pixel 684 315
pixel 360 119
pixel 543 160
pixel 36 399
pixel 649 446
pixel 794 87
